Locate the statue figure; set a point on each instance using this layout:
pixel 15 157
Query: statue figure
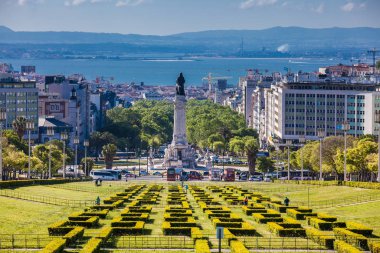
pixel 180 87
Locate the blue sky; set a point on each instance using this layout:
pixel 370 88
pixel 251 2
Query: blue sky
pixel 163 17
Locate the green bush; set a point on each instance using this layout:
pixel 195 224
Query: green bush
pixel 19 183
pixel 105 234
pixel 366 185
pixel 320 238
pixel 351 238
pixel 267 217
pixel 343 247
pixel 59 228
pixel 93 245
pixel 89 222
pixel 55 246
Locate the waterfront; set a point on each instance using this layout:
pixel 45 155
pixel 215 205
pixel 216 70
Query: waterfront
pixel 164 72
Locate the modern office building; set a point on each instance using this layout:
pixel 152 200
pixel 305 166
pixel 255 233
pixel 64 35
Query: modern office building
pixel 19 99
pixel 301 108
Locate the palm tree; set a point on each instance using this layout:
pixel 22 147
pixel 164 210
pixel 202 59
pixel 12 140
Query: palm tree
pixel 251 148
pixel 109 152
pixel 19 125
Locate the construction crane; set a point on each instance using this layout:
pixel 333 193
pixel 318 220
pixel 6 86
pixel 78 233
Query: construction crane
pixel 210 78
pixel 373 52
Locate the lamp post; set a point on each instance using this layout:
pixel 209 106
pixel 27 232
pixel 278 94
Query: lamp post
pixel 345 128
pixel 377 120
pixel 76 142
pixel 64 137
pixel 302 140
pixel 29 127
pixel 3 117
pixel 288 144
pixel 139 162
pixel 50 132
pixel 321 135
pixel 86 143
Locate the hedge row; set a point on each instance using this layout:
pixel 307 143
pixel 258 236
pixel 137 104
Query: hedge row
pixel 366 185
pixel 92 246
pixel 351 238
pixel 287 229
pixel 375 247
pixel 343 247
pixel 320 238
pixel 55 246
pixel 201 246
pixel 359 228
pixel 19 183
pixel 325 225
pixel 238 247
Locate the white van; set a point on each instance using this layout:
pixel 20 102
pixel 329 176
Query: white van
pixel 103 175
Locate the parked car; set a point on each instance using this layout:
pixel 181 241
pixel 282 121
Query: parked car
pixel 144 173
pixel 157 173
pixel 267 179
pixel 255 179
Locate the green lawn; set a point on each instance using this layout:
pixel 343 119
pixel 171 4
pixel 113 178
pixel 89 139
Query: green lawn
pixel 22 216
pixel 26 217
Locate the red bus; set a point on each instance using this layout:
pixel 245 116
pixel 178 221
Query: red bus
pixel 171 175
pixel 228 175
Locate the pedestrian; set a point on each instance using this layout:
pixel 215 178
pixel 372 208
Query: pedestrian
pixel 97 201
pixel 246 201
pixel 286 201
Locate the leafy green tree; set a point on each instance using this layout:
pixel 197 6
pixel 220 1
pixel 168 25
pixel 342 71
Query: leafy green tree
pixel 13 161
pixel 99 139
pixel 378 65
pixel 109 152
pixel 41 152
pixel 237 146
pixel 13 139
pixel 251 148
pixel 218 147
pixel 265 164
pixel 19 125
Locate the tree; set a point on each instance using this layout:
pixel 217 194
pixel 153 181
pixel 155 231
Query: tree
pixel 99 139
pixel 89 165
pixel 237 146
pixel 109 152
pixel 218 147
pixel 13 161
pixel 13 139
pixel 251 147
pixel 265 164
pixel 19 125
pixel 378 65
pixel 357 157
pixel 41 152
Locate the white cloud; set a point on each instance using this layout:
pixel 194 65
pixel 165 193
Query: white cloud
pixel 251 3
pixel 320 8
pixel 348 7
pixel 74 2
pixel 362 5
pixel 25 2
pixel 122 3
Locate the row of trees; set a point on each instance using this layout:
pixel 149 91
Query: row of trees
pixel 362 156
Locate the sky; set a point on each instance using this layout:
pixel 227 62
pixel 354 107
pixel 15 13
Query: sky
pixel 164 17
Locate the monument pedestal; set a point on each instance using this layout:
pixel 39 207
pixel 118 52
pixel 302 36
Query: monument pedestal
pixel 179 153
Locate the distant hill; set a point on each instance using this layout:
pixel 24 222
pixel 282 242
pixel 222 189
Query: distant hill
pixel 218 42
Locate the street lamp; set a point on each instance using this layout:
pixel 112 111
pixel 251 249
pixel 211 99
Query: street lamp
pixel 3 117
pixel 345 128
pixel 321 135
pixel 86 143
pixel 76 142
pixel 288 144
pixel 50 132
pixel 377 120
pixel 302 140
pixel 29 127
pixel 64 137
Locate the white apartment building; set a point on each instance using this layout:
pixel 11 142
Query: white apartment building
pixel 301 108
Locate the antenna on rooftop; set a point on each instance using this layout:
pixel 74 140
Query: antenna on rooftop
pixel 373 52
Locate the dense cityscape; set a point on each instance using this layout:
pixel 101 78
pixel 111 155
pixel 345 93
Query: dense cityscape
pixel 189 126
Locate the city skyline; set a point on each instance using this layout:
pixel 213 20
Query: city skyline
pixel 169 17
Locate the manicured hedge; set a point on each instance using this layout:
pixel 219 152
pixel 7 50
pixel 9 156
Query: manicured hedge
pixel 267 217
pixel 89 222
pixel 287 229
pixel 238 247
pixel 343 247
pixel 92 246
pixel 351 238
pixel 59 228
pixel 359 228
pixel 55 246
pixel 105 234
pixel 375 247
pixel 325 225
pixel 201 246
pixel 19 183
pixel 320 237
pixel 245 230
pixel 75 234
pixel 366 185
